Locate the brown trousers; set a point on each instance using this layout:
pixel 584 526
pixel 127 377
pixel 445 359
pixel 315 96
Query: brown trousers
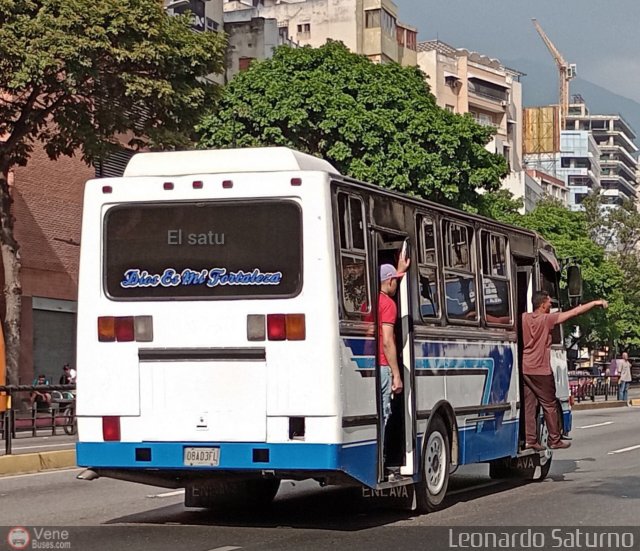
pixel 541 389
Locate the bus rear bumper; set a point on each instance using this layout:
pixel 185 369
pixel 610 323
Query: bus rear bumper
pixel 297 460
pixel 230 455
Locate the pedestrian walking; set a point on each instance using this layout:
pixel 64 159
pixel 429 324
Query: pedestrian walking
pixel 624 372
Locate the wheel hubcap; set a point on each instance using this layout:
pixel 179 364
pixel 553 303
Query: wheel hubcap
pixel 435 463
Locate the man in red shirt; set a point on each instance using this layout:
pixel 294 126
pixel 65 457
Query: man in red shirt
pixel 539 384
pixel 390 378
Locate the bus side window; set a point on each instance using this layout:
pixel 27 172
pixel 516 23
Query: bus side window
pixel 459 272
pixel 428 269
pixel 353 256
pixel 496 285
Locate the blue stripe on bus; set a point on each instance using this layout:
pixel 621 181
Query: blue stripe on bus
pixel 496 358
pixel 233 455
pixel 495 439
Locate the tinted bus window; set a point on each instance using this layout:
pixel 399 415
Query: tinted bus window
pixel 427 269
pixel 496 286
pixel 203 250
pixel 353 258
pixel 460 279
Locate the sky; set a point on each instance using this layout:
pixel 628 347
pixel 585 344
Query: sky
pixel 601 37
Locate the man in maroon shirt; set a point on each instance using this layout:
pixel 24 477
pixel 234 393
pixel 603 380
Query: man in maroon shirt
pixel 539 384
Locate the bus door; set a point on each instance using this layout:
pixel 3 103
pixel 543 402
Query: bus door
pixel 397 452
pixel 524 290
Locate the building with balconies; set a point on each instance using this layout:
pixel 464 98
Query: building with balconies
pixel 468 82
pixel 571 155
pixel 552 187
pixel 617 151
pixel 367 27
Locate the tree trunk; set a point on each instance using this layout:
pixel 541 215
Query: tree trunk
pixel 12 286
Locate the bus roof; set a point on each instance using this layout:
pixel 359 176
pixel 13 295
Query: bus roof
pixel 219 161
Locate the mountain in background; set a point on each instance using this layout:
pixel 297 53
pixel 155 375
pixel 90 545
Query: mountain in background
pixel 540 87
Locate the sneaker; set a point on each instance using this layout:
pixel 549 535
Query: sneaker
pixel 393 474
pixel 536 447
pixel 562 445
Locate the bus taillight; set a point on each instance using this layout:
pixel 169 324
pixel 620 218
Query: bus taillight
pixel 296 330
pixel 106 329
pixel 280 327
pixel 111 429
pixel 255 327
pixel 125 329
pixel 276 327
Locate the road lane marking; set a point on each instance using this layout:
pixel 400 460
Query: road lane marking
pixel 596 425
pixel 226 548
pixel 168 494
pixel 630 448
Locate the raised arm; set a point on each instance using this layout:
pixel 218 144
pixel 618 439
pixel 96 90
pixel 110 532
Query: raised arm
pixel 583 308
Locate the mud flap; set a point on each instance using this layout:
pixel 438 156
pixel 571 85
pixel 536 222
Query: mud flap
pixel 531 466
pixel 253 493
pixel 398 497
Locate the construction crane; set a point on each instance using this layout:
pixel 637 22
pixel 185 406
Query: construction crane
pixel 566 71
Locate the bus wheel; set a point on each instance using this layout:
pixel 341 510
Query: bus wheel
pixel 545 459
pixel 436 460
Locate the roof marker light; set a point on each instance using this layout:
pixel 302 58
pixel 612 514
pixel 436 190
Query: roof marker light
pixel 197 184
pixel 167 185
pixel 227 184
pixel 107 189
pixel 296 181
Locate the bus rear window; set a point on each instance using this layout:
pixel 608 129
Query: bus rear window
pixel 208 250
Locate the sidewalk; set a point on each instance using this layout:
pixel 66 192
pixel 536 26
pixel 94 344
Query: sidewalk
pixel 611 402
pixel 35 454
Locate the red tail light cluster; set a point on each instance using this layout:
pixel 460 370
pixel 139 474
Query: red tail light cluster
pixel 111 429
pixel 279 327
pixel 125 328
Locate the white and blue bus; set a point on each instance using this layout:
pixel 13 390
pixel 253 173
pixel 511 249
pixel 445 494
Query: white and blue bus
pixel 226 341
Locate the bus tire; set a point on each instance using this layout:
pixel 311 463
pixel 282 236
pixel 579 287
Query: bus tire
pixel 436 461
pixel 543 438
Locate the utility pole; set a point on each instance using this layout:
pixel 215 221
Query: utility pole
pixel 566 71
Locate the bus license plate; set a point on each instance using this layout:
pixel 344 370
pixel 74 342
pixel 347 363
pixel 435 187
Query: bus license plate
pixel 202 457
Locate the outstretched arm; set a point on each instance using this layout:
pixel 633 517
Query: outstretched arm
pixel 583 308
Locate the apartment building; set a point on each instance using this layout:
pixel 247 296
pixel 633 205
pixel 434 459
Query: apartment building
pixel 206 15
pixel 551 187
pixel 617 151
pixel 252 39
pixel 367 27
pixel 468 82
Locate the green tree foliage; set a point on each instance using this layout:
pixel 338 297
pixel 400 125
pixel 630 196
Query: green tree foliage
pixel 75 75
pixel 617 230
pixel 499 205
pixel 374 122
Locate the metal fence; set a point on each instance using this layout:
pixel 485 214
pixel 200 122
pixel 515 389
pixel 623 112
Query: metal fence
pixel 57 415
pixel 588 387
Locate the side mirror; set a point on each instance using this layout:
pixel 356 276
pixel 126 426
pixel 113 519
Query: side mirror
pixel 574 280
